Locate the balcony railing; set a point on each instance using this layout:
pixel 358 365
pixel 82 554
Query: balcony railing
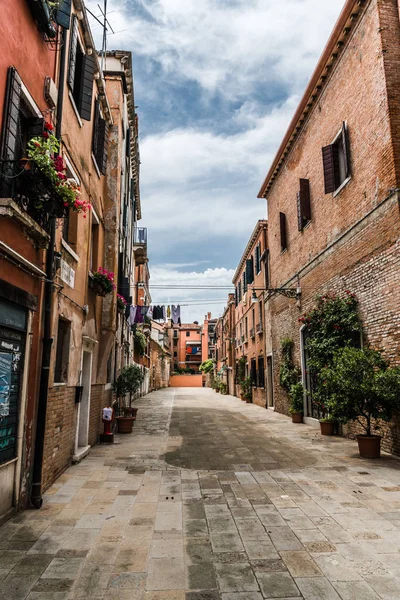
pixel 140 236
pixel 252 333
pixel 31 191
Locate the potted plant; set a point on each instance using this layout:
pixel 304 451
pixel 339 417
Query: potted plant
pixel 223 388
pixel 361 387
pixel 102 282
pixel 127 382
pixel 296 397
pixel 247 389
pixel 139 342
pixel 43 154
pixel 327 425
pixel 217 385
pixel 121 304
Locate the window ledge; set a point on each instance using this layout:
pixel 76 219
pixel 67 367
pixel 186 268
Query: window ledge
pixel 78 116
pixel 95 166
pixel 68 248
pixel 59 384
pixel 342 185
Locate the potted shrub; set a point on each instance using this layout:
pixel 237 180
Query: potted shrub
pixel 127 382
pixel 217 385
pixel 102 282
pixel 247 389
pixel 327 425
pixel 361 387
pixel 42 152
pixel 296 397
pixel 223 388
pixel 139 342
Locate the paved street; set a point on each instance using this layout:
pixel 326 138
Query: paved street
pixel 211 499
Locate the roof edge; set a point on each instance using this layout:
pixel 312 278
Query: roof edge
pixel 337 40
pixel 261 224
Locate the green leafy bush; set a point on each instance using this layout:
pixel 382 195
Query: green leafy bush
pixel 296 397
pixel 360 386
pixel 207 366
pixel 247 388
pixel 140 342
pixel 128 382
pixel 289 374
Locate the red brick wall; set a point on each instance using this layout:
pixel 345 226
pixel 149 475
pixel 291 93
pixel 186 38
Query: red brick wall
pixel 352 241
pixel 60 433
pixel 61 427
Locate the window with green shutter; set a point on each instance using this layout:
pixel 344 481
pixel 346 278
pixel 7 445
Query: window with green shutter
pixel 80 74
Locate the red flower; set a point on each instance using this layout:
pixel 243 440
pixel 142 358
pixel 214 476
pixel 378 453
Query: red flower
pixel 49 126
pixel 45 134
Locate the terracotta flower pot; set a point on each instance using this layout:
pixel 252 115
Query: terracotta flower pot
pixel 369 446
pixel 130 411
pixel 217 391
pixel 327 427
pixel 125 424
pixel 297 417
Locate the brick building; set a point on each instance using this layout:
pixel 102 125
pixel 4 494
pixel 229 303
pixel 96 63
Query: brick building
pixel 27 60
pixel 250 281
pixel 225 347
pixel 332 190
pixel 186 346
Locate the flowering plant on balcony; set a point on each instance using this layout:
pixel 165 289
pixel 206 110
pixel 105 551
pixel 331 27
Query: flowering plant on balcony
pixel 41 152
pixel 121 303
pixel 102 282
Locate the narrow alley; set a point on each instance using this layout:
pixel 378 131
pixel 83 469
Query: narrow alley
pixel 211 498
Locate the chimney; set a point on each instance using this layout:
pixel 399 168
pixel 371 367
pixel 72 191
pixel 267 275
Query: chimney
pixel 209 316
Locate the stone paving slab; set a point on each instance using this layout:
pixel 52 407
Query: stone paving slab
pixel 211 499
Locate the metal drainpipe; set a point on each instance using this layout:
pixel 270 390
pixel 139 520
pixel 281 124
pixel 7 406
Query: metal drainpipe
pixel 36 493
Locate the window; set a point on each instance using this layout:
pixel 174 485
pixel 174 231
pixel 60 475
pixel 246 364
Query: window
pixel 100 140
pixel 240 291
pixel 260 306
pixel 70 222
pixel 94 242
pixel 188 334
pixel 261 372
pixel 62 351
pixel 246 327
pixel 303 204
pixel 336 161
pixel 253 372
pixel 244 283
pixel 254 318
pixel 175 333
pixel 21 122
pixel 258 258
pixel 282 224
pixel 249 271
pixel 80 73
pixel 175 354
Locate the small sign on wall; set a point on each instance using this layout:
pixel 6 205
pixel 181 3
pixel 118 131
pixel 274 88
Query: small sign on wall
pixel 67 274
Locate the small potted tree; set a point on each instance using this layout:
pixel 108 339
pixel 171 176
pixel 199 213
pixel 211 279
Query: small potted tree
pixel 327 425
pixel 296 397
pixel 223 388
pixel 361 387
pixel 247 389
pixel 127 382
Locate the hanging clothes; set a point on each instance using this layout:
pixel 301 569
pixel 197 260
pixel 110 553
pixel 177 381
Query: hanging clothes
pixel 163 317
pixel 176 314
pixel 150 312
pixel 168 312
pixel 132 315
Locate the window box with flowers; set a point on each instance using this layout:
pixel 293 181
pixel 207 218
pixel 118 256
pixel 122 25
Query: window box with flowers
pixel 102 282
pixel 46 179
pixel 121 304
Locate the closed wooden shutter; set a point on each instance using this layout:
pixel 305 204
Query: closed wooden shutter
pixel 258 254
pixel 330 160
pixel 240 291
pixel 303 204
pixel 84 99
pixel 244 283
pixel 104 134
pixel 95 139
pixel 261 372
pixel 10 125
pixel 250 270
pixel 282 224
pixel 236 296
pixel 73 44
pixel 346 149
pixel 63 14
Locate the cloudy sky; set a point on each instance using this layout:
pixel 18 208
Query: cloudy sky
pixel 216 84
